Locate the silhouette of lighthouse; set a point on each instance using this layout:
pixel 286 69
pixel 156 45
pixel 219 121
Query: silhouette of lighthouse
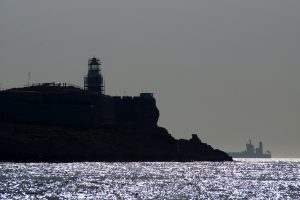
pixel 94 79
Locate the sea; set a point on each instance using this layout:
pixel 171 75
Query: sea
pixel 240 179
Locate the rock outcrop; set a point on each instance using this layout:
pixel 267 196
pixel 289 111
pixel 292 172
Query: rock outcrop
pixel 54 122
pixel 40 143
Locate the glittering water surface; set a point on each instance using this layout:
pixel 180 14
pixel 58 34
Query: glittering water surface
pixel 244 178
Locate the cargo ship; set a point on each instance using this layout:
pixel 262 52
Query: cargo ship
pixel 251 152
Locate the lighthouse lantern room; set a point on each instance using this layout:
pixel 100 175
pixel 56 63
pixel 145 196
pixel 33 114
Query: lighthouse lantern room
pixel 94 79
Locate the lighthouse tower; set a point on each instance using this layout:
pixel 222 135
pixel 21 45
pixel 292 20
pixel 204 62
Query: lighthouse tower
pixel 94 80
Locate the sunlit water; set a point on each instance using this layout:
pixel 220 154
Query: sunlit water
pixel 241 179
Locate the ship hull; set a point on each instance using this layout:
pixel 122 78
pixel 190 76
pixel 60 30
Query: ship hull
pixel 243 155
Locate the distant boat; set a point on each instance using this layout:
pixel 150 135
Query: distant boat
pixel 251 152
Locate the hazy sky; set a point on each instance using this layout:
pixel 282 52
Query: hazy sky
pixel 225 69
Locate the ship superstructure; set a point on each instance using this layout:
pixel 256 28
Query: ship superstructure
pixel 251 152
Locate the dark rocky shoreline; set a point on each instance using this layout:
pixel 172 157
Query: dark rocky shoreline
pixel 44 143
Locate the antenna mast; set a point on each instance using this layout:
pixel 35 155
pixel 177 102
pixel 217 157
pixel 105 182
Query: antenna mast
pixel 28 80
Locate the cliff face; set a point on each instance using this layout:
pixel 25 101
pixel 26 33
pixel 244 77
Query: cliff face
pixel 34 143
pixel 140 111
pixel 56 104
pixel 57 123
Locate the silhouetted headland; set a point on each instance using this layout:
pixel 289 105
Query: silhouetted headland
pixel 58 122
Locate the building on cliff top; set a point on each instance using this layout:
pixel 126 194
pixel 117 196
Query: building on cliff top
pixel 94 79
pixel 66 104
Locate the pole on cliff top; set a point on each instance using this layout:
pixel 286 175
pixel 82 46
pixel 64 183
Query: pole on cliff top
pixel 28 80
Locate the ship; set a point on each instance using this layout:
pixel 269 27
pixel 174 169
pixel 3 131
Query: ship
pixel 251 152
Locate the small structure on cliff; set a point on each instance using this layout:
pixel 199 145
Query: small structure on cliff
pixel 66 104
pixel 94 79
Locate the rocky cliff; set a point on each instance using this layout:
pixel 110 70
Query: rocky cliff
pixel 39 143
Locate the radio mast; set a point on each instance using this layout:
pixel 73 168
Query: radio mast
pixel 28 80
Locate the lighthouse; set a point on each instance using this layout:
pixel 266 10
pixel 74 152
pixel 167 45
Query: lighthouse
pixel 94 79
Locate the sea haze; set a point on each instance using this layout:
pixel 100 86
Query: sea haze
pixel 243 178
